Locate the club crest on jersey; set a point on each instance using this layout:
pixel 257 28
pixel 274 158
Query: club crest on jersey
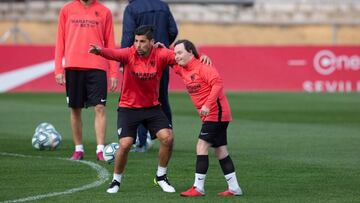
pixel 192 77
pixel 97 14
pixel 152 63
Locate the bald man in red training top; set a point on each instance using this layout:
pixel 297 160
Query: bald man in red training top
pixel 82 22
pixel 205 88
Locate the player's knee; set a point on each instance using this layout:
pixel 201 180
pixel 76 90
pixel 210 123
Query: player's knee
pixel 76 112
pixel 100 109
pixel 221 152
pixel 168 140
pixel 202 147
pixel 125 145
pixel 124 148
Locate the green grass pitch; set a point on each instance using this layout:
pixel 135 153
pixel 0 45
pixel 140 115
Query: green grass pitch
pixel 287 147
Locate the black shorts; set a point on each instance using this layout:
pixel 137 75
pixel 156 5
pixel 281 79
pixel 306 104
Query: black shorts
pixel 85 88
pixel 214 133
pixel 129 119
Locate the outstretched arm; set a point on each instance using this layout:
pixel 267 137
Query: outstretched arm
pixel 94 49
pixel 120 55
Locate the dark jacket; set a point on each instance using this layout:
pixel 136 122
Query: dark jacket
pixel 149 12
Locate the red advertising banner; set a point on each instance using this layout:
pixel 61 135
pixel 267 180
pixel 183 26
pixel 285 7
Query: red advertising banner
pixel 243 68
pixel 27 69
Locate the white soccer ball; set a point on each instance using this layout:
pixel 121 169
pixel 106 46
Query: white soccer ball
pixel 110 152
pixel 46 140
pixel 44 127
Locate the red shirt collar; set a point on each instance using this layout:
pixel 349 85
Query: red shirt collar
pixel 191 64
pixel 94 1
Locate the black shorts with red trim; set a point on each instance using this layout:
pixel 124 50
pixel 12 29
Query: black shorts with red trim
pixel 214 133
pixel 152 118
pixel 85 88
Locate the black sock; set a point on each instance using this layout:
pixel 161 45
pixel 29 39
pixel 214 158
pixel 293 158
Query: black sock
pixel 227 165
pixel 202 164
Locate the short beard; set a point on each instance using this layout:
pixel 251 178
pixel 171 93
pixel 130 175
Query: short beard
pixel 141 53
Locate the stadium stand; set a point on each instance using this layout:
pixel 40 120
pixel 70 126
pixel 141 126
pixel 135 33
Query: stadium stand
pixel 328 21
pixel 213 11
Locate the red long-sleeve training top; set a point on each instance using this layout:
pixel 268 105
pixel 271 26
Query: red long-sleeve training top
pixel 205 88
pixel 78 27
pixel 141 82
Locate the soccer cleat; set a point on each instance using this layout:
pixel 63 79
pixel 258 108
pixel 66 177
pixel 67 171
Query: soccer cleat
pixel 99 156
pixel 231 193
pixel 114 187
pixel 164 183
pixel 77 155
pixel 192 192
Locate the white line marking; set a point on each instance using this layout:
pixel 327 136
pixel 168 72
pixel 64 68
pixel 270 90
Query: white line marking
pixel 103 176
pixel 14 78
pixel 297 62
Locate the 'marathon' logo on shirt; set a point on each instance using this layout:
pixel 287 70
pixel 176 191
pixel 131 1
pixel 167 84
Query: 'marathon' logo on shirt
pixel 144 76
pixel 193 88
pixel 84 22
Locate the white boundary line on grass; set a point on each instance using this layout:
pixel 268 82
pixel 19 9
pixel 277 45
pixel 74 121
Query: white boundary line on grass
pixel 103 176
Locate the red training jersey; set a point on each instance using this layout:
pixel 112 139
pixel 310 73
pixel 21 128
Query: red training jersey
pixel 78 27
pixel 141 82
pixel 205 87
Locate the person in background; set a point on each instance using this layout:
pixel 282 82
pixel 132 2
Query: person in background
pixel 157 14
pixel 85 75
pixel 205 88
